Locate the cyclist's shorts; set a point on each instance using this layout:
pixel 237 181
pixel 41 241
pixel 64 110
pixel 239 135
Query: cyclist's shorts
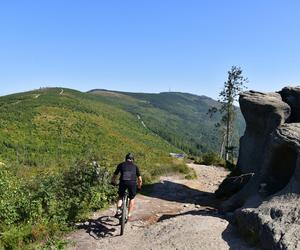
pixel 130 185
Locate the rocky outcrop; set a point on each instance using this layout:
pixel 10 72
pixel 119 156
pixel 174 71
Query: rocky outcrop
pixel 267 208
pixel 291 95
pixel 263 113
pixel 275 224
pixel 272 214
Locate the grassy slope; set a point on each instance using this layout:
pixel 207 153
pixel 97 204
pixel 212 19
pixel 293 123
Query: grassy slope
pixel 180 118
pixel 45 131
pixel 44 128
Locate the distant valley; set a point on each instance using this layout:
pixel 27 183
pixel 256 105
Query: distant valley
pixel 179 118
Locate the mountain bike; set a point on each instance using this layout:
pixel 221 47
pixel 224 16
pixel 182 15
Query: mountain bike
pixel 123 217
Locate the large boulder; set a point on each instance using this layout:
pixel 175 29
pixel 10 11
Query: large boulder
pixel 291 95
pixel 267 208
pixel 281 170
pixel 271 215
pixel 275 224
pixel 232 184
pixel 263 113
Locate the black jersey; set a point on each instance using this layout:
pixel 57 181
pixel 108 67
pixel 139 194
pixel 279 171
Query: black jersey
pixel 128 171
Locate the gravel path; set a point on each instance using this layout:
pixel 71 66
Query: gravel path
pixel 175 214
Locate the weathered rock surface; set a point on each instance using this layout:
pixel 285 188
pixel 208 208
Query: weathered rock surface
pixel 281 166
pixel 267 208
pixel 275 222
pixel 291 95
pixel 232 185
pixel 263 112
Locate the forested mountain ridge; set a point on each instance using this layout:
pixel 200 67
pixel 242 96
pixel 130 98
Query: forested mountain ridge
pixel 43 127
pixel 179 118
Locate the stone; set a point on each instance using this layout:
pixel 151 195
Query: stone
pixel 291 95
pixel 233 184
pixel 275 224
pixel 263 113
pixel 266 208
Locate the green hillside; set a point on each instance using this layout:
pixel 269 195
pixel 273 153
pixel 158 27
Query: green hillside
pixel 179 118
pixel 50 137
pixel 57 126
pixel 48 141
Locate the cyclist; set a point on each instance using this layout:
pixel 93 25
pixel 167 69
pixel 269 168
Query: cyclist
pixel 130 179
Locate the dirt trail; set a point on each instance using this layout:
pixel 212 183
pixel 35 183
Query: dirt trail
pixel 175 214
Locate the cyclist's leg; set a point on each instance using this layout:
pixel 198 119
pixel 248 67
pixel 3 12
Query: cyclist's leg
pixel 131 207
pixel 132 193
pixel 121 193
pixel 119 202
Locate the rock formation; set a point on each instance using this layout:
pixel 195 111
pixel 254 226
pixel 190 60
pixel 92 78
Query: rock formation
pixel 267 207
pixel 263 114
pixel 232 184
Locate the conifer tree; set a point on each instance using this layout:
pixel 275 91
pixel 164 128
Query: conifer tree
pixel 232 87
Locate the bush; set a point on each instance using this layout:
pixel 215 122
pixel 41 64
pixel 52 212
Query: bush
pixel 230 166
pixel 212 158
pixel 192 175
pixel 32 210
pixel 16 237
pixel 169 168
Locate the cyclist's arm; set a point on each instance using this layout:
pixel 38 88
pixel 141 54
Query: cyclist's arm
pixel 114 179
pixel 115 175
pixel 139 178
pixel 140 182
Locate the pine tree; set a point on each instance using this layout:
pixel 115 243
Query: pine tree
pixel 232 87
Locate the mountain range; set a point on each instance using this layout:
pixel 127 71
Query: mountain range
pixel 179 118
pixel 51 126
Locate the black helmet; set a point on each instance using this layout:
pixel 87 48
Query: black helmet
pixel 129 156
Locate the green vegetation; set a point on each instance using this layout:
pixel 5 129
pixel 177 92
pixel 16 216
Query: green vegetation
pixel 179 118
pixel 209 158
pixel 39 208
pixel 232 87
pixel 212 158
pixel 55 130
pixel 48 139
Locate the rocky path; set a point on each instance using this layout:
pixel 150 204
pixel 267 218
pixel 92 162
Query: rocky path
pixel 173 214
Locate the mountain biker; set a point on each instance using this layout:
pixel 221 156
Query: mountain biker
pixel 130 179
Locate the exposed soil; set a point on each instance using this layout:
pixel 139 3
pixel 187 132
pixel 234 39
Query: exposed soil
pixel 172 214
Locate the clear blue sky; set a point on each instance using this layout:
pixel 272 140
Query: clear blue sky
pixel 148 45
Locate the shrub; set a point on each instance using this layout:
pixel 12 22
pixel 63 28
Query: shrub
pixel 230 166
pixel 192 175
pixel 32 210
pixel 212 158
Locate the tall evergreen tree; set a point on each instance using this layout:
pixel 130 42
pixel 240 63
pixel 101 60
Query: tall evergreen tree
pixel 232 87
